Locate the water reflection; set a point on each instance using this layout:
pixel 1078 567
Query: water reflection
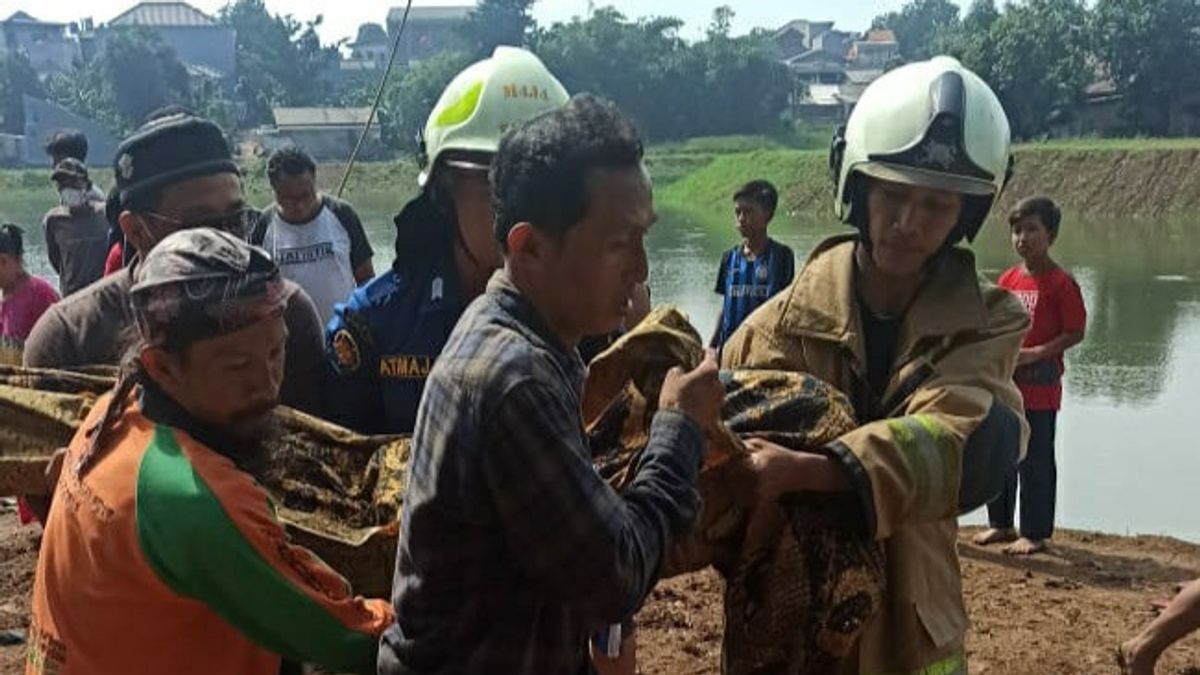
pixel 1136 279
pixel 1137 283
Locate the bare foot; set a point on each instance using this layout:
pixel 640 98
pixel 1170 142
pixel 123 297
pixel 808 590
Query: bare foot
pixel 995 535
pixel 1025 546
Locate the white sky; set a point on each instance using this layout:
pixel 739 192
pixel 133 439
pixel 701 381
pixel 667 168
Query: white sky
pixel 341 19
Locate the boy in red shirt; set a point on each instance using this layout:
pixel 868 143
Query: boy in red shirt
pixel 1052 298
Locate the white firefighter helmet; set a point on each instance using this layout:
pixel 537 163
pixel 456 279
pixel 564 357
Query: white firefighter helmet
pixel 933 124
pixel 481 103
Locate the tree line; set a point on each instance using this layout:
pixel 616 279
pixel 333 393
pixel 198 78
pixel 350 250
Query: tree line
pixel 722 84
pixel 1039 56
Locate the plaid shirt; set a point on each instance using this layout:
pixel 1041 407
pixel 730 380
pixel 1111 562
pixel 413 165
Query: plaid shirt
pixel 512 549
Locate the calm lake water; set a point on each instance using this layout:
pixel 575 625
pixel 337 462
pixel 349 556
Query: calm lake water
pixel 1128 456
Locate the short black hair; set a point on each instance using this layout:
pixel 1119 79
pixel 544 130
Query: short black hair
pixel 292 160
pixel 541 171
pixel 1042 207
pixel 761 192
pixel 12 240
pixel 67 143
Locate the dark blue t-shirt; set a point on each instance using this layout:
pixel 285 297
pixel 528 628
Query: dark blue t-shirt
pixel 746 284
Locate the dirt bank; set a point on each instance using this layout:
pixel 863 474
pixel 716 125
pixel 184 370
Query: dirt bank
pixel 1121 181
pixel 1060 613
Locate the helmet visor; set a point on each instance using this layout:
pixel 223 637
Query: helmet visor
pixel 936 180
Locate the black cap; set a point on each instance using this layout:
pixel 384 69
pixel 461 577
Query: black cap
pixel 164 151
pixel 69 168
pixel 12 240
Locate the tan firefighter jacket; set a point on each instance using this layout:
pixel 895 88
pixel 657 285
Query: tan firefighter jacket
pixel 947 432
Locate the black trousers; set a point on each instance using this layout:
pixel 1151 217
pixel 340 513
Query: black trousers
pixel 1038 482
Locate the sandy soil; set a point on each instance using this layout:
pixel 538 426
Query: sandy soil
pixel 1061 613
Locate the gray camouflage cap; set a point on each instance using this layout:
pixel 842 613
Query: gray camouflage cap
pixel 201 283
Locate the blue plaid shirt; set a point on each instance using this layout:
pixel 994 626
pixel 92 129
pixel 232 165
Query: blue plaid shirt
pixel 512 549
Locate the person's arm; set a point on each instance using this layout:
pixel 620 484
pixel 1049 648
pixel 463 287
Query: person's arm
pixel 1180 617
pixel 1073 316
pixel 361 253
pixel 1049 349
pixel 949 450
pixel 714 341
pixel 52 250
pixel 49 344
pixel 259 224
pixel 353 395
pixel 49 296
pixel 211 535
pixel 789 269
pixel 304 370
pixel 720 289
pixel 600 552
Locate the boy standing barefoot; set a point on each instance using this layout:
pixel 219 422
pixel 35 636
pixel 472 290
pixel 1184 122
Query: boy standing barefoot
pixel 1052 298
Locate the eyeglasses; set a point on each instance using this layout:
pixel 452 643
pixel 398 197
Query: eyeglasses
pixel 237 222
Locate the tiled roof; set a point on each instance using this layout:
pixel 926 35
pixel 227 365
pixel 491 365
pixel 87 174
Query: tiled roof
pixel 418 14
pixel 22 17
pixel 320 117
pixel 163 14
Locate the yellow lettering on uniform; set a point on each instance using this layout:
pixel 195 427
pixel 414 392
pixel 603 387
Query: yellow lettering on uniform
pixel 510 91
pixel 405 366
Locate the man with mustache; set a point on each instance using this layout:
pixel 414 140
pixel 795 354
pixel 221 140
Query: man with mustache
pixel 162 553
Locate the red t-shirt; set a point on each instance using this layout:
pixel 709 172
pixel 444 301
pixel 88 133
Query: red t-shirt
pixel 19 310
pixel 1055 304
pixel 113 263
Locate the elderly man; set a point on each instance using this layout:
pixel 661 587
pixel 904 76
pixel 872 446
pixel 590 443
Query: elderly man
pixel 162 553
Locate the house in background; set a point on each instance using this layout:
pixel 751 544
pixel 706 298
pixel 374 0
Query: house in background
pixel 834 66
pixel 48 45
pixel 877 50
pixel 797 37
pixel 430 30
pixel 868 58
pixel 326 133
pixel 43 118
pixel 369 51
pixel 204 46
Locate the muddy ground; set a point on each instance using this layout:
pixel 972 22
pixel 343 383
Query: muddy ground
pixel 1059 613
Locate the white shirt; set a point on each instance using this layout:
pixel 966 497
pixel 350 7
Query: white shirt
pixel 315 255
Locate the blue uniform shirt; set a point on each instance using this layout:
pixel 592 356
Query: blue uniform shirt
pixel 383 341
pixel 746 284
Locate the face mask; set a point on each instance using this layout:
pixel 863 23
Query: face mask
pixel 72 198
